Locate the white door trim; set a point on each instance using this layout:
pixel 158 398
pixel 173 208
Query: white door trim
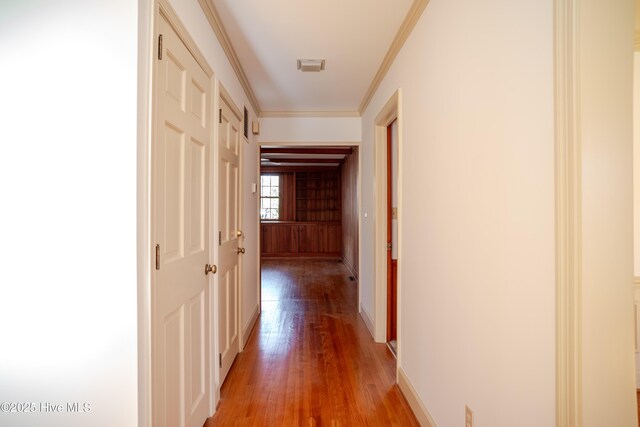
pixel 221 94
pixel 568 215
pixel 390 112
pixel 146 25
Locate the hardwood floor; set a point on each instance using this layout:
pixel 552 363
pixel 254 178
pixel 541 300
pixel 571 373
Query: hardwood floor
pixel 310 360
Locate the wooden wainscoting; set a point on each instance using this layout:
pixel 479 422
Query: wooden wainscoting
pixel 295 238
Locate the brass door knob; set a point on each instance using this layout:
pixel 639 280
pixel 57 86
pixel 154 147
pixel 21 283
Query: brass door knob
pixel 239 233
pixel 240 250
pixel 210 269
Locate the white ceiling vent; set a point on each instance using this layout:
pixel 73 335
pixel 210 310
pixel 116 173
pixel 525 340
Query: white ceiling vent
pixel 310 64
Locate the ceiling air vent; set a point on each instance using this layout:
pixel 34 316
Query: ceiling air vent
pixel 310 64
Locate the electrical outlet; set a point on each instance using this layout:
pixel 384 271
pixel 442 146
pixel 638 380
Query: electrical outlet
pixel 468 416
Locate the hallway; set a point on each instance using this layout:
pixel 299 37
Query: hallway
pixel 310 360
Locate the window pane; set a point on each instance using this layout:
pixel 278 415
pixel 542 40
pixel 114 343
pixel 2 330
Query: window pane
pixel 269 196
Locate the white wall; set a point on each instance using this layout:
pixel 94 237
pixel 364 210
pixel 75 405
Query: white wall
pixel 477 288
pixel 193 18
pixel 607 212
pixel 310 129
pixel 68 219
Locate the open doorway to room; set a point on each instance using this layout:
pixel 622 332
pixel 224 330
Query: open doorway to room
pixel 392 236
pixel 308 215
pixel 309 204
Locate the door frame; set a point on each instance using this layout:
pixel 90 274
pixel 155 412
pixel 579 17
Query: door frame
pixel 359 202
pixel 218 94
pixel 391 311
pixel 148 19
pixel 391 111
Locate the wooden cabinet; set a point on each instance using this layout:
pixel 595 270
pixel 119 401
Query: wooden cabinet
pixel 291 238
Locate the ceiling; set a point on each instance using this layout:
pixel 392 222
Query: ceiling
pixel 266 38
pixel 298 157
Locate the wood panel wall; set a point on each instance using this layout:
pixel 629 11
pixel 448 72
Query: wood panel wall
pixel 293 238
pixel 310 213
pixel 288 205
pixel 349 192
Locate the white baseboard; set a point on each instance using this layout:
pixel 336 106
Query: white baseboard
pixel 246 332
pixel 367 320
pixel 418 408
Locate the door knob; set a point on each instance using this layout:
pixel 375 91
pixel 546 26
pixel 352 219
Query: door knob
pixel 240 250
pixel 239 233
pixel 210 269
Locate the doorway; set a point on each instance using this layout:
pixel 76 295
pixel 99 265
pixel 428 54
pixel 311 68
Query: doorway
pixel 309 203
pixel 386 323
pixel 392 236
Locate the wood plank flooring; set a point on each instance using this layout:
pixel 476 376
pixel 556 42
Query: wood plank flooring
pixel 310 360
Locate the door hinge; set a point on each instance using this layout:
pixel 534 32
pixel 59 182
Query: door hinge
pixel 160 46
pixel 220 115
pixel 388 246
pixel 219 238
pixel 220 359
pixel 157 257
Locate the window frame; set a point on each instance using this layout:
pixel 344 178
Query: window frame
pixel 278 197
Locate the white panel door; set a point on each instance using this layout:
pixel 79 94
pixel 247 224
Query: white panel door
pixel 181 358
pixel 229 226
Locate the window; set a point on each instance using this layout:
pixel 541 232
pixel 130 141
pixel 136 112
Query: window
pixel 270 197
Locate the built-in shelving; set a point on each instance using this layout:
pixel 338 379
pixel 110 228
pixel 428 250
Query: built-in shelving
pixel 317 196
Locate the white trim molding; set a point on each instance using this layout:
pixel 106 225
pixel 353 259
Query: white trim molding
pixel 419 410
pixel 296 143
pixel 568 216
pixel 168 12
pixel 366 317
pixel 390 112
pixel 146 48
pixel 248 328
pixel 328 114
pixel 410 21
pixel 218 28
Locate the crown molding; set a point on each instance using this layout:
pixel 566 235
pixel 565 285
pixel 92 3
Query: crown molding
pixel 401 37
pixel 335 114
pixel 218 28
pixel 636 41
pixel 414 13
